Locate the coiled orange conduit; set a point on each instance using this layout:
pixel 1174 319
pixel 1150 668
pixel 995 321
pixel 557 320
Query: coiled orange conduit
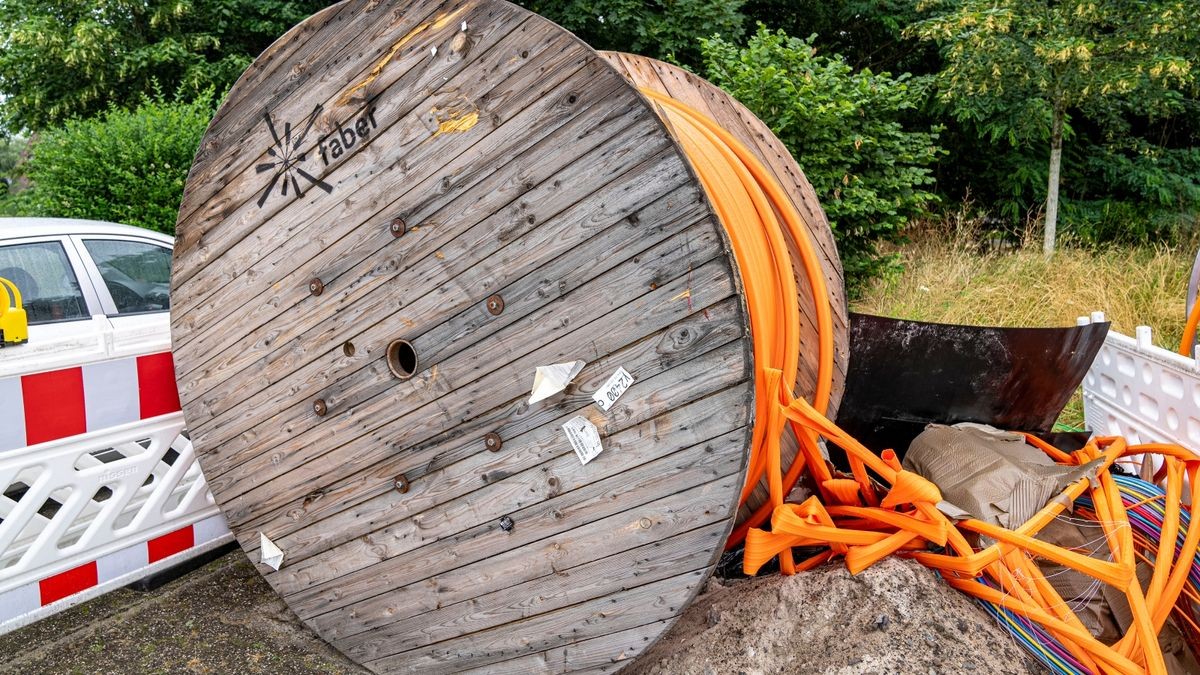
pixel 862 522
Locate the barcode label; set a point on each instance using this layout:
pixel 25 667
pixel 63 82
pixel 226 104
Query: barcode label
pixel 584 438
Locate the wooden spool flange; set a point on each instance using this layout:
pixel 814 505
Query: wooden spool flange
pixel 520 165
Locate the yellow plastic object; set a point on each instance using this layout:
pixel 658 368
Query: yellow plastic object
pixel 14 324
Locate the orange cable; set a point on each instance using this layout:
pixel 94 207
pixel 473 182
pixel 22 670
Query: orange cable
pixel 1189 330
pixel 865 520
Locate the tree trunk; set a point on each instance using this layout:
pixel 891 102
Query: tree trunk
pixel 1056 136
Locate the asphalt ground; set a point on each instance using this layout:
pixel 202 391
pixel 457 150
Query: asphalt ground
pixel 221 618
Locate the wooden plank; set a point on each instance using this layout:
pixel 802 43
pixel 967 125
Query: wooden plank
pixel 260 485
pixel 548 593
pixel 554 592
pixel 596 655
pixel 369 178
pixel 557 487
pixel 394 590
pixel 431 284
pixel 670 348
pixel 636 606
pixel 582 521
pixel 309 380
pixel 587 520
pixel 462 369
pixel 510 255
pixel 528 592
pixel 377 571
pixel 245 202
pixel 266 68
pixel 457 464
pixel 581 301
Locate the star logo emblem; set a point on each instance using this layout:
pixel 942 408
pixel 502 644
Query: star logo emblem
pixel 287 157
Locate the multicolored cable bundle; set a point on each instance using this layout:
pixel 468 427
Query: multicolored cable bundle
pixel 884 509
pixel 1145 506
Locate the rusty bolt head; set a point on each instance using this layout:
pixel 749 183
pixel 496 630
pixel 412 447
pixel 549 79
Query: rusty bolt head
pixel 400 483
pixel 398 227
pixel 495 305
pixel 319 407
pixel 316 287
pixel 493 442
pixel 506 524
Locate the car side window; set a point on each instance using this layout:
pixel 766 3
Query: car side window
pixel 137 274
pixel 49 289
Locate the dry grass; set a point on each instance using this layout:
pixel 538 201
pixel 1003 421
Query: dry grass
pixel 948 279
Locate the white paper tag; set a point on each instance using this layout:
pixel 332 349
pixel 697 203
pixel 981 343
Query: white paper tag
pixel 616 385
pixel 584 437
pixel 549 380
pixel 269 554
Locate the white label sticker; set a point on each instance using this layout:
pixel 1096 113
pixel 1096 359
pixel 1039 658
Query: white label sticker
pixel 584 437
pixel 616 385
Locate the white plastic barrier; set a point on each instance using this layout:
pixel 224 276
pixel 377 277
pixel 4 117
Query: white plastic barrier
pixel 1142 392
pixel 99 486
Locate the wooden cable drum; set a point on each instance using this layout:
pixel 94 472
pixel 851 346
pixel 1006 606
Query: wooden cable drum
pixel 399 212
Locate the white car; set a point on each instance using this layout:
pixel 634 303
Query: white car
pixel 81 280
pixel 99 486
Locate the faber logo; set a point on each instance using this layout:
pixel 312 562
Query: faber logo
pixel 288 154
pixel 287 159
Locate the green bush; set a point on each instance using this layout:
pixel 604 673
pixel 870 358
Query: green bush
pixel 121 166
pixel 1117 187
pixel 846 130
pixel 1132 190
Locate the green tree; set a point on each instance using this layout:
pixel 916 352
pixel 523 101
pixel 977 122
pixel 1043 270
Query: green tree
pixel 122 166
pixel 663 29
pixel 867 33
pixel 845 128
pixel 1019 69
pixel 63 59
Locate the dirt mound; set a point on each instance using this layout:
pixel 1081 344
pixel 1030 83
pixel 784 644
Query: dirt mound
pixel 895 617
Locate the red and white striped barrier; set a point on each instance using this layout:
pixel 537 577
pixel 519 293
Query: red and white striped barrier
pixel 37 599
pixel 72 401
pixel 100 484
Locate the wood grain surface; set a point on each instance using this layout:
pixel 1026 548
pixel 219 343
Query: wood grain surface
pixel 379 173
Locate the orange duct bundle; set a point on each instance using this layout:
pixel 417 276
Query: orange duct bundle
pixel 884 509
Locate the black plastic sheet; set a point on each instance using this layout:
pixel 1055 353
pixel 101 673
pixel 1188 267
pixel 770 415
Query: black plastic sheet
pixel 906 374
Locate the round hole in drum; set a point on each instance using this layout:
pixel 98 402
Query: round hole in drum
pixel 402 359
